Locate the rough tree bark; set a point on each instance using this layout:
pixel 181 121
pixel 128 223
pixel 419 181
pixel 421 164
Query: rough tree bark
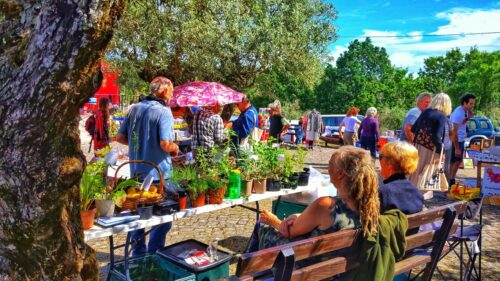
pixel 49 54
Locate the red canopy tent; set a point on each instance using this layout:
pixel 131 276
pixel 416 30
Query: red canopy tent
pixel 109 87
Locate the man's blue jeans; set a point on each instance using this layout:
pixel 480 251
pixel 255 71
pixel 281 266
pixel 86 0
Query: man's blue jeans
pixel 157 239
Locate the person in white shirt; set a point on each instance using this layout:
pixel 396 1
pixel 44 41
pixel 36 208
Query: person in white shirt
pixel 459 118
pixel 348 135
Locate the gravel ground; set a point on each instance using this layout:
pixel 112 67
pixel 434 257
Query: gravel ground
pixel 234 225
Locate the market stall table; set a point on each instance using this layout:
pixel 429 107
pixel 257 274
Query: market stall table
pixel 97 231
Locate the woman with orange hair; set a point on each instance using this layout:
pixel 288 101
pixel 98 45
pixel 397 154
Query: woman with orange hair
pixel 349 122
pixel 397 161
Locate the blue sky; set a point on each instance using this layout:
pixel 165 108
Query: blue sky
pixel 360 18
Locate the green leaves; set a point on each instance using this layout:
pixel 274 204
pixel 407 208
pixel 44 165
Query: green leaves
pixel 230 41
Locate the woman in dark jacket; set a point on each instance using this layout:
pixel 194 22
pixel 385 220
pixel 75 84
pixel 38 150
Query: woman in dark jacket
pixel 429 135
pixel 397 161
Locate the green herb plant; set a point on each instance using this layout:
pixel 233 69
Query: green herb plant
pixel 92 183
pixel 197 188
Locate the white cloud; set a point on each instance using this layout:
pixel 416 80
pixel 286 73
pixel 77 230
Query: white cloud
pixel 407 60
pixel 410 52
pixel 336 53
pixel 469 21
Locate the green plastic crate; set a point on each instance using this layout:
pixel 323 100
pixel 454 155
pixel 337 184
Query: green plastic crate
pixel 215 271
pixel 284 208
pixel 150 268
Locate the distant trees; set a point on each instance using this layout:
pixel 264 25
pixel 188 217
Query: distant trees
pixel 278 50
pixel 364 77
pixel 458 73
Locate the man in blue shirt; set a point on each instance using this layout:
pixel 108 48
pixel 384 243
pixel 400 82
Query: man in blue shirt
pixel 148 132
pixel 246 122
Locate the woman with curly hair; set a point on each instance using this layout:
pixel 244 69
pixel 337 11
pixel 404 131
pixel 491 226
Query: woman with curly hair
pixel 357 205
pixel 349 122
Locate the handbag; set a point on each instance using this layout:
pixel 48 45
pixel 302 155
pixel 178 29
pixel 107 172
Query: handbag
pixel 433 177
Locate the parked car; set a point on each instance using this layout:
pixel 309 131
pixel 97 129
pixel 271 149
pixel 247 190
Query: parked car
pixel 332 122
pixel 478 128
pixel 331 132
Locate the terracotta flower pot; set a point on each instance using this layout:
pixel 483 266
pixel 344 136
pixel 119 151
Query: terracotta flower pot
pixel 88 218
pixel 198 202
pixel 182 202
pixel 216 196
pixel 246 187
pixel 259 186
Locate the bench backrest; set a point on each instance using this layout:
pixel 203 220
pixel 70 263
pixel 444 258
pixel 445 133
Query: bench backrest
pixel 257 264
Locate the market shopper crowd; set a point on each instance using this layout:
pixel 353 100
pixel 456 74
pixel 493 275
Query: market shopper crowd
pixel 429 137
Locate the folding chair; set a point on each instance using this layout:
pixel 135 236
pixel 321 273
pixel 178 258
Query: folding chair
pixel 468 237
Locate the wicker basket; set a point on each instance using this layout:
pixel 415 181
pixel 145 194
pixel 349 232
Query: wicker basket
pixel 131 203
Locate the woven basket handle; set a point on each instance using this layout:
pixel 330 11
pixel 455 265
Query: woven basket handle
pixel 160 187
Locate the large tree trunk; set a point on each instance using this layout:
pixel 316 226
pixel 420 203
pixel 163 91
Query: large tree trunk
pixel 49 54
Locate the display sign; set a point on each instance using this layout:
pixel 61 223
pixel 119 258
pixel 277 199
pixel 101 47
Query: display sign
pixel 491 180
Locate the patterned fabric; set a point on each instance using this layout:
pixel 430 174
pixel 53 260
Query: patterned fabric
pixel 342 216
pixel 200 93
pixel 313 126
pixel 429 129
pixel 208 129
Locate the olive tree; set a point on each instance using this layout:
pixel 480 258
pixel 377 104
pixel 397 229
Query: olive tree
pixel 49 59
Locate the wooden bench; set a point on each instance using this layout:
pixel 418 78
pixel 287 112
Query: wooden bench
pixel 256 265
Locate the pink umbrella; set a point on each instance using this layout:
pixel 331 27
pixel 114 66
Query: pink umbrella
pixel 200 93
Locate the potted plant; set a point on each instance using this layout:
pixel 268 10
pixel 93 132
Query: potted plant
pixel 91 183
pixel 196 191
pixel 108 197
pixel 299 167
pixel 289 177
pixel 211 165
pixel 261 166
pixel 184 175
pixel 272 166
pixel 216 190
pixel 247 176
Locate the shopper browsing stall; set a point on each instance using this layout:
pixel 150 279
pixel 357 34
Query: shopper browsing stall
pixel 148 132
